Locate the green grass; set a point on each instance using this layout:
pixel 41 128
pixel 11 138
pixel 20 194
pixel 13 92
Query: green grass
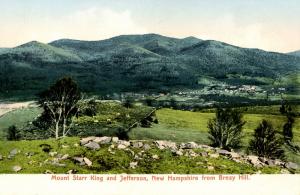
pixel 19 118
pixel 183 126
pixel 105 162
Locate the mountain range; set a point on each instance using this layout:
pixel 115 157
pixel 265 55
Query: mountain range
pixel 137 63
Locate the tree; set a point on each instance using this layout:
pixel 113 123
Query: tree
pixel 265 143
pixel 13 134
pixel 60 105
pixel 226 128
pixel 288 128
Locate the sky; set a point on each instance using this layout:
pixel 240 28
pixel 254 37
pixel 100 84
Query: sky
pixel 272 25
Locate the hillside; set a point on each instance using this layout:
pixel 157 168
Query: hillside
pixel 111 155
pixel 295 53
pixel 147 62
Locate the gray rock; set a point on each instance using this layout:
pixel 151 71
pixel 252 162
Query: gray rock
pixel 165 145
pixel 191 153
pixel 204 154
pixel 64 157
pixel 13 152
pixel 211 168
pixel 279 162
pixel 133 165
pixel 115 139
pixel 155 156
pixel 52 154
pixel 189 145
pixel 137 144
pixel 147 147
pixel 270 162
pixel 48 172
pixel 16 168
pixel 125 143
pixel 291 165
pixel 254 160
pixel 78 159
pixel 263 159
pixel 72 171
pixel 102 140
pixel 234 155
pixel 179 153
pixel 87 162
pixel 92 145
pixel 223 152
pixel 86 140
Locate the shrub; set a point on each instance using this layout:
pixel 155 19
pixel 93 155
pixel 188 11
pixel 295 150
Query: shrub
pixel 13 133
pixel 265 143
pixel 226 128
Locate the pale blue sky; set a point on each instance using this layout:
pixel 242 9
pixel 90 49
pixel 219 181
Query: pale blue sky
pixel 266 24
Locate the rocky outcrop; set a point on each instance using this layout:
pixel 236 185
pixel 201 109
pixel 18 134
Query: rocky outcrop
pixel 189 149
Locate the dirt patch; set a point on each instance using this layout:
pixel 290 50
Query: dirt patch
pixel 8 107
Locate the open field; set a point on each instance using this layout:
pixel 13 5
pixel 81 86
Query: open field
pixel 179 126
pixel 183 126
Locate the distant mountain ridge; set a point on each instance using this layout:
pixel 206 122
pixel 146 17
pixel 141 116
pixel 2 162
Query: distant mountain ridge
pixel 136 62
pixel 295 53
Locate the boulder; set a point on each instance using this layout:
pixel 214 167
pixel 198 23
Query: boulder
pixel 52 154
pixel 115 139
pixel 87 162
pixel 1 158
pixel 191 153
pixel 133 165
pixel 78 159
pixel 48 172
pixel 291 166
pixel 165 145
pixel 86 140
pixel 125 143
pixel 92 145
pixel 13 152
pixel 211 168
pixel 147 147
pixel 223 152
pixel 137 144
pixel 16 168
pixel 179 153
pixel 204 154
pixel 189 145
pixel 102 140
pixel 64 157
pixel 72 171
pixel 155 157
pixel 254 160
pixel 270 162
pixel 234 155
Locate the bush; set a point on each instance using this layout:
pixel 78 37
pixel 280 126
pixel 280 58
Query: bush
pixel 265 143
pixel 226 128
pixel 13 133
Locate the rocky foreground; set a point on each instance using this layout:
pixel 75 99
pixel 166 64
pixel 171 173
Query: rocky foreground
pixel 112 155
pixel 184 149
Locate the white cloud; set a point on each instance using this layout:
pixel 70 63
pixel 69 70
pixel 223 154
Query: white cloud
pixel 89 24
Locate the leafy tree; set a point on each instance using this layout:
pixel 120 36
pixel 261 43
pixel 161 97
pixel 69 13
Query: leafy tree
pixel 128 102
pixel 13 133
pixel 226 128
pixel 288 128
pixel 265 143
pixel 60 105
